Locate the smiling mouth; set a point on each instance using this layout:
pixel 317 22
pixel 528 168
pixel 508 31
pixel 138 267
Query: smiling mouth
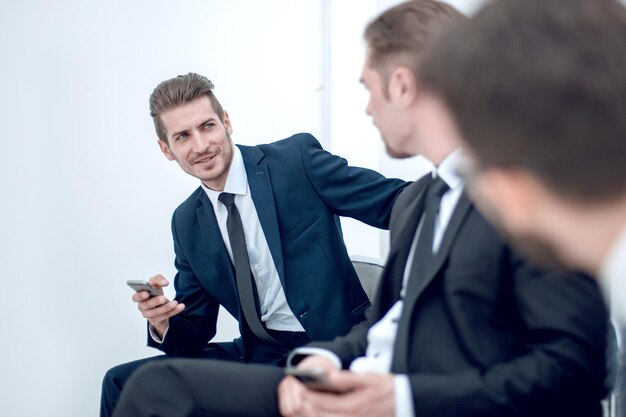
pixel 205 159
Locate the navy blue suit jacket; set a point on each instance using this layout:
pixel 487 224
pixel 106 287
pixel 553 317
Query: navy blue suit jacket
pixel 298 190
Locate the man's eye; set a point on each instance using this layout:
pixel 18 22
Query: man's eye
pixel 209 125
pixel 181 136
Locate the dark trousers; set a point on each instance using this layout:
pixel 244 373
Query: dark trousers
pixel 195 387
pixel 115 379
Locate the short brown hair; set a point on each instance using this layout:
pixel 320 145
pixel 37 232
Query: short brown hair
pixel 177 91
pixel 397 36
pixel 540 85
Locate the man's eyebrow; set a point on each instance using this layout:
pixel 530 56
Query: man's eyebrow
pixel 174 134
pixel 210 119
pixel 202 123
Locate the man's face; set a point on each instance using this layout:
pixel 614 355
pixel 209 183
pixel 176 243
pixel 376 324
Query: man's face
pixel 515 203
pixel 385 114
pixel 199 141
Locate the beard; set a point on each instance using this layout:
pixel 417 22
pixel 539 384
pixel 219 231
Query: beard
pixel 395 154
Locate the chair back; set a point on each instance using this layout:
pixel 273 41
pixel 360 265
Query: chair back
pixel 369 271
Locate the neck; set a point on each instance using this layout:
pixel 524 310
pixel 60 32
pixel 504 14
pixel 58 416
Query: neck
pixel 439 153
pixel 587 234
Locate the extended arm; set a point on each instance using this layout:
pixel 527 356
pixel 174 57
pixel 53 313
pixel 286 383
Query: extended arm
pixel 354 192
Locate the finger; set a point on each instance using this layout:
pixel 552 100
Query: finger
pixel 345 381
pixel 160 310
pixel 324 402
pixel 159 281
pixel 157 310
pixel 285 405
pixel 308 410
pixel 159 319
pixel 140 296
pixel 318 361
pixel 292 397
pixel 328 404
pixel 368 392
pixel 152 302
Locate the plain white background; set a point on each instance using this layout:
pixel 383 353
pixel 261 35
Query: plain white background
pixel 86 194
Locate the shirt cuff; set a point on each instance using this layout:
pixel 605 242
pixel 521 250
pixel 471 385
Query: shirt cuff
pixel 404 396
pixel 297 355
pixel 155 336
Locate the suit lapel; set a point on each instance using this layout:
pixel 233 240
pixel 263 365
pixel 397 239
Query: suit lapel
pixel 213 237
pixel 407 222
pixel 403 335
pixel 455 223
pixel 262 193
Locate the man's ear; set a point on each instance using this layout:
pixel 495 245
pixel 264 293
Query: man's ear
pixel 165 149
pixel 227 124
pixel 402 86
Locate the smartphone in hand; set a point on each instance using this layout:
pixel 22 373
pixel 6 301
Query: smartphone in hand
pixel 140 285
pixel 313 378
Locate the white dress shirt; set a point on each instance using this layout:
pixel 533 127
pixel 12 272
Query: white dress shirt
pixel 613 282
pixel 275 312
pixel 613 278
pixel 381 336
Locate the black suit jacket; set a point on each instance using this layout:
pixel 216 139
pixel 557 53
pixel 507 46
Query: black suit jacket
pixel 487 334
pixel 298 190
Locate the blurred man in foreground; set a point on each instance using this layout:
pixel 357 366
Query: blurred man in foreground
pixel 544 122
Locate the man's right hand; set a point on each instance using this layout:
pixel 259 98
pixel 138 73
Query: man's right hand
pixel 157 310
pixel 319 362
pixel 292 393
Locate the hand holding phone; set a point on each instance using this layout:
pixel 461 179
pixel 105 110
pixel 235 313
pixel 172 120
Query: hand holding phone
pixel 313 378
pixel 141 285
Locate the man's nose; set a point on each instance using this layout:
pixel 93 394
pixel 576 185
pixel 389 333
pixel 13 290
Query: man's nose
pixel 199 142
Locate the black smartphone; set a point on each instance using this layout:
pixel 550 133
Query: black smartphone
pixel 313 378
pixel 139 285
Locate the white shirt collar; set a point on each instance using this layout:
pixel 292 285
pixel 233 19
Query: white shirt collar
pixel 448 172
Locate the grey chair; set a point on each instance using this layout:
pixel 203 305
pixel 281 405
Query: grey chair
pixel 369 271
pixel 615 403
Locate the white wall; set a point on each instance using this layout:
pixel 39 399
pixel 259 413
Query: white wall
pixel 87 196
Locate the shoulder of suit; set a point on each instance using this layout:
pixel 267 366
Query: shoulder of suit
pixel 413 189
pixel 290 147
pixel 191 203
pixel 294 141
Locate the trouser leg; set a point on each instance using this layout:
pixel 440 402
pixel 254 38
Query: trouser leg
pixel 114 381
pixel 191 387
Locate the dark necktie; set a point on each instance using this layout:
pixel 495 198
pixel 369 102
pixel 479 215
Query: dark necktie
pixel 243 275
pixel 420 269
pixel 423 256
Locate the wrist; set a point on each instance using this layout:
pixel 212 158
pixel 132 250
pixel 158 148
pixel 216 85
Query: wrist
pixel 160 328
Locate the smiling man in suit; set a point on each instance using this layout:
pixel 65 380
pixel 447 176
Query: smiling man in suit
pixel 260 237
pixel 461 325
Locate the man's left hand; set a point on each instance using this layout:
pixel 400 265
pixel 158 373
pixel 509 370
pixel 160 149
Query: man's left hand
pixel 364 395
